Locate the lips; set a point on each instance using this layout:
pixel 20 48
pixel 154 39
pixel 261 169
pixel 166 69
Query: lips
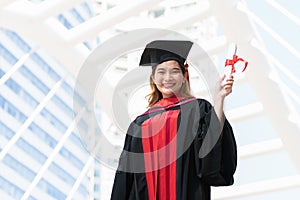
pixel 168 85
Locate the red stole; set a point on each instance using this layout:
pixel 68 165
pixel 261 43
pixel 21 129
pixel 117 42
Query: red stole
pixel 159 145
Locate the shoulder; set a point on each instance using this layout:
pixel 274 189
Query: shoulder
pixel 141 118
pixel 203 103
pixel 199 100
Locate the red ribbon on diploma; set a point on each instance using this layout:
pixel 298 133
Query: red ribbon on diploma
pixel 235 60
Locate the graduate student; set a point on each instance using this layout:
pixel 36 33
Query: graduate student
pixel 182 145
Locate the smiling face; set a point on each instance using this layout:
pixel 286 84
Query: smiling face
pixel 168 78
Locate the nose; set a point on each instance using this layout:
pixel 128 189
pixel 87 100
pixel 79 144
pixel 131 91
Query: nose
pixel 168 76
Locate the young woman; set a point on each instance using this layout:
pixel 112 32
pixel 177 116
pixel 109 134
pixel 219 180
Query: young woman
pixel 182 145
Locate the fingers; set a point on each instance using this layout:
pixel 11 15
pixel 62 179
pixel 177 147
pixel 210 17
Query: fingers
pixel 224 87
pixel 223 77
pixel 227 80
pixel 230 79
pixel 228 84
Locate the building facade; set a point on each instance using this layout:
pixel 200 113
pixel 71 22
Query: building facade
pixel 42 156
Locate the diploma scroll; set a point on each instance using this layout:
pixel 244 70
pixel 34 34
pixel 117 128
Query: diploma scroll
pixel 232 59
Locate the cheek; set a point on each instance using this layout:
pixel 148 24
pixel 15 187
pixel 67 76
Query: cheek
pixel 157 77
pixel 180 78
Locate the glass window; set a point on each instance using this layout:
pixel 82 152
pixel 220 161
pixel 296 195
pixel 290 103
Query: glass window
pixel 158 13
pixel 12 110
pixel 82 189
pixel 31 151
pixel 76 14
pixel 88 45
pixel 2 102
pixel 62 174
pixel 70 91
pixel 96 173
pixel 53 120
pixel 67 88
pixel 28 99
pixel 13 86
pixel 76 140
pixel 7 132
pixel 21 117
pixel 17 40
pixel 1 73
pixel 71 158
pixel 82 124
pixel 45 66
pixel 39 132
pixel 35 81
pixel 7 55
pixel 43 134
pixel 62 105
pixel 10 188
pixel 87 9
pixel 64 21
pixel 32 198
pixel 19 167
pixel 96 188
pixel 51 190
pixel 17 89
pixel 79 99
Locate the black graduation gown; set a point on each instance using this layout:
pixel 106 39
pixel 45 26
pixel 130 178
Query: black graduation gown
pixel 196 170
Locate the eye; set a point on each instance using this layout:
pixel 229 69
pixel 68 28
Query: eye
pixel 175 71
pixel 160 72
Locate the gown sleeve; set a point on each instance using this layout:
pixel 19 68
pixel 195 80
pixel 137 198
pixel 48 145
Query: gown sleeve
pixel 216 149
pixel 125 186
pixel 123 181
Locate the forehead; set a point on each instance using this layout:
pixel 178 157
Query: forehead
pixel 168 64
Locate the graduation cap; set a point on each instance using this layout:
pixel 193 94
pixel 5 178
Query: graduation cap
pixel 159 51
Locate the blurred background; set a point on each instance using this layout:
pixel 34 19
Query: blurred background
pixel 44 43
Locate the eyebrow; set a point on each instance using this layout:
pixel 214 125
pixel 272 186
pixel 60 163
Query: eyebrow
pixel 173 68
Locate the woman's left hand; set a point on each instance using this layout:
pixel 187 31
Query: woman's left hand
pixel 224 87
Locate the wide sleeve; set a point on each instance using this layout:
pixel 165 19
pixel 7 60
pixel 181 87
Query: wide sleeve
pixel 216 149
pixel 123 182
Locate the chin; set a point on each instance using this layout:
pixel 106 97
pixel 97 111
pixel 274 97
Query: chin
pixel 168 94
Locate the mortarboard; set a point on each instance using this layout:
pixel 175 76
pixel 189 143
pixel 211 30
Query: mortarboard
pixel 159 51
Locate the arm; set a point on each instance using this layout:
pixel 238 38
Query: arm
pixel 123 186
pixel 130 164
pixel 222 90
pixel 218 167
pixel 218 162
pixel 123 181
